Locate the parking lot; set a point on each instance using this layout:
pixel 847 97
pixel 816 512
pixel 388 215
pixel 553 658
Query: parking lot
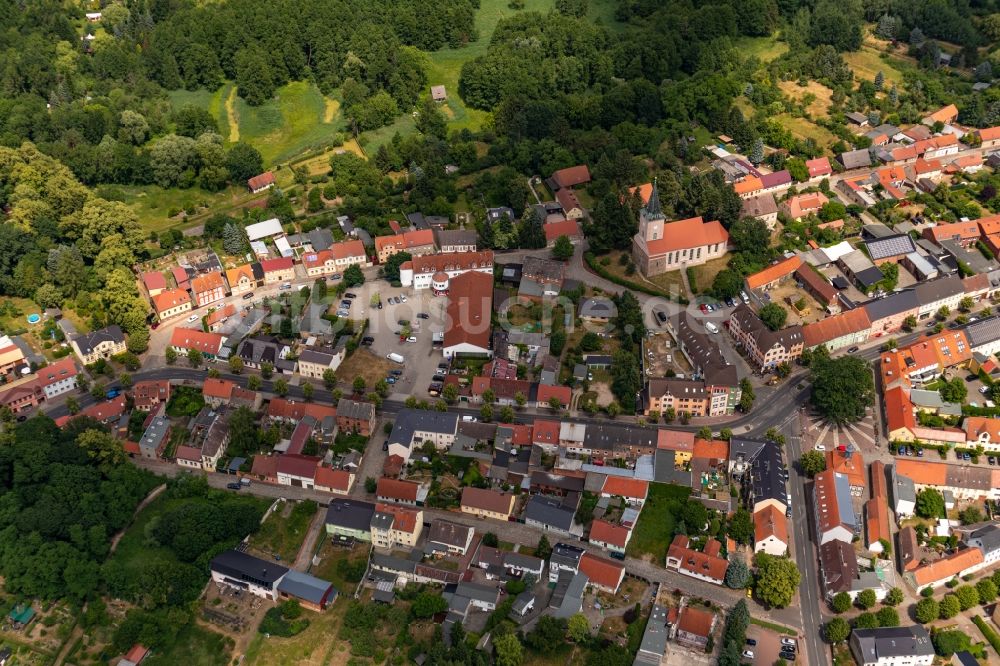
pixel 421 358
pixel 662 355
pixel 768 646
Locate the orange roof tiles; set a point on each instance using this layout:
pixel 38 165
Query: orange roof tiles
pixel 154 280
pixel 57 371
pixel 547 391
pixel 674 440
pixel 964 231
pixel 713 449
pixel 404 519
pixel 836 326
pixel 948 567
pixel 989 134
pixel 216 387
pixel 451 261
pixel 819 167
pixel 748 185
pixel 546 432
pixel 770 522
pixel 571 176
pixel 974 426
pixel 851 464
pixel 683 234
pixel 696 621
pixel 568 228
pixel 602 572
pixel 233 275
pixel 397 489
pixel 217 315
pixel 337 479
pixel 827 506
pixel 170 299
pixel 774 272
pixel 625 487
pixel 989 225
pixel 644 191
pixel 898 410
pixel 469 311
pixel 945 114
pixel 605 532
pixel 800 205
pixel 208 282
pixel 877 520
pixel 700 563
pixel 190 338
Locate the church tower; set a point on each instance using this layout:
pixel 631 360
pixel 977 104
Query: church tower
pixel 651 219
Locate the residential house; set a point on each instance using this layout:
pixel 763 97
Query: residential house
pixel 838 568
pixel 598 310
pixel 569 228
pixel 887 314
pixel 982 431
pixel 569 177
pixel 261 182
pixel 458 240
pixel 765 348
pixel 335 481
pixel 451 538
pixel 704 565
pixel 150 394
pixel 91 347
pixel 335 259
pixel 350 518
pixel 183 340
pixel 58 377
pixel 171 303
pixel 314 362
pixel 541 278
pixel 416 243
pixel 938 572
pixel 609 535
pixel 486 503
pixel 245 572
pixel 245 278
pixel 892 646
pixel 633 491
pixel 770 531
pixel 155 437
pixel 394 526
pixel 259 351
pixel 962 481
pixel 355 416
pixel 603 574
pixel 398 491
pixel 802 205
pixel 280 269
pixel 22 394
pixel 154 283
pixel 904 493
pixel 818 169
pixel 565 559
pixel 659 246
pixel 549 514
pixel 945 115
pixel 695 628
pixel 770 277
pixel 298 470
pixel 762 207
pixel 216 441
pixel 208 288
pixel 838 331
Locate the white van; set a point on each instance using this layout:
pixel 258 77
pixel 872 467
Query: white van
pixel 711 328
pixel 393 356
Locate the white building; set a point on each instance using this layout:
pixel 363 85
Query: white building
pixel 265 229
pixel 436 271
pixel 892 646
pixel 58 378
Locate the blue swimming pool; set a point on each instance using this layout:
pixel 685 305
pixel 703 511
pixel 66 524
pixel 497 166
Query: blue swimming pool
pixel 34 318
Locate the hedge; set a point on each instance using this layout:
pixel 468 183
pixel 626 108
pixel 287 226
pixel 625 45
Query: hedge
pixel 781 629
pixel 628 284
pixel 991 635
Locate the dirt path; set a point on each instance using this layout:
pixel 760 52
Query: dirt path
pixel 74 636
pixel 308 547
pixel 330 110
pixel 234 122
pixel 142 505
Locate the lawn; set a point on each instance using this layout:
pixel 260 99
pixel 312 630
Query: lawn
pixel 819 106
pixel 705 274
pixel 283 531
pixel 287 125
pixel 215 102
pixel 868 61
pixel 153 204
pixel 670 283
pixel 765 48
pixel 341 566
pixel 365 364
pixel 317 645
pixel 802 128
pixel 655 528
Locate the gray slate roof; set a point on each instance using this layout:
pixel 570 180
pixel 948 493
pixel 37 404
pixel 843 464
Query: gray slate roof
pixel 409 421
pixel 305 586
pixel 350 514
pixel 88 341
pixel 888 642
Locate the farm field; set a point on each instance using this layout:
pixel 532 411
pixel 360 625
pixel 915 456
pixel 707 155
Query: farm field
pixel 868 62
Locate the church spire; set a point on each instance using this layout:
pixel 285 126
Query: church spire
pixel 652 208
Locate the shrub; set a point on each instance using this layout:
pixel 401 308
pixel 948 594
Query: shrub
pixel 284 620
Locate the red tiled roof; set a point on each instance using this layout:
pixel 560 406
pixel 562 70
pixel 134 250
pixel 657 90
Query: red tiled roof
pixel 261 180
pixel 853 465
pixel 103 411
pixel 602 572
pixel 989 133
pixel 692 232
pixel 62 369
pixel 170 299
pixel 154 280
pixel 945 114
pixel 208 282
pixel 282 408
pixel 266 466
pixel 605 532
pixel 819 167
pixel 277 264
pixel 469 311
pixel 298 465
pixel 348 249
pixel 180 276
pixel 546 392
pixel 397 489
pixel 151 392
pixel 217 315
pixel 696 621
pixel 337 479
pixel 190 338
pixel 216 387
pixel 553 230
pixel 487 500
pixel 962 230
pixel 770 522
pixel 947 567
pixel 545 432
pixel 674 440
pixel 833 327
pixel 625 487
pixel 404 519
pixel 774 272
pixel 714 449
pixel 572 176
pixel 188 453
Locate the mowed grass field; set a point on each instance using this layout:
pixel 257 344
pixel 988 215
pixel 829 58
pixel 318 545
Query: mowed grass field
pixel 765 48
pixel 868 61
pixel 819 106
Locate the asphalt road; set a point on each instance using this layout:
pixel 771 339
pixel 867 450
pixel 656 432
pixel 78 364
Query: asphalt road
pixel 803 548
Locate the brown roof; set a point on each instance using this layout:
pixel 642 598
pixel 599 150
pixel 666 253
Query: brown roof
pixel 908 549
pixel 602 572
pixel 571 176
pixel 774 272
pixel 877 520
pixel 265 466
pixel 770 522
pixel 404 519
pixel 568 228
pixel 216 387
pixel 451 261
pixel 397 489
pixel 470 309
pixel 624 487
pixel 838 565
pixel 696 621
pixel 674 440
pixel 487 500
pixel 337 479
pixel 818 284
pixel 261 180
pixel 702 563
pixel 605 532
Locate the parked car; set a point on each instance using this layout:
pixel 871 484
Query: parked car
pixel 336 276
pixel 343 313
pixel 790 642
pixel 233 486
pixel 966 456
pixel 971 378
pixel 984 389
pixel 247 297
pixel 751 642
pixel 367 341
pixel 396 373
pixel 379 305
pixel 748 654
pixel 402 297
pixel 992 460
pixel 412 338
pixel 194 317
pixel 820 447
pixel 423 315
pixel 703 308
pixel 113 393
pixel 390 380
pixel 350 294
pixel 385 445
pixel 285 286
pixel 853 350
pixel 661 317
pixel 437 378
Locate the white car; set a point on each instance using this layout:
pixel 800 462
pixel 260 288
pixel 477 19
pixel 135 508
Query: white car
pixel 984 389
pixel 748 654
pixel 820 447
pixel 789 642
pixel 402 298
pixel 194 317
pixel 412 338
